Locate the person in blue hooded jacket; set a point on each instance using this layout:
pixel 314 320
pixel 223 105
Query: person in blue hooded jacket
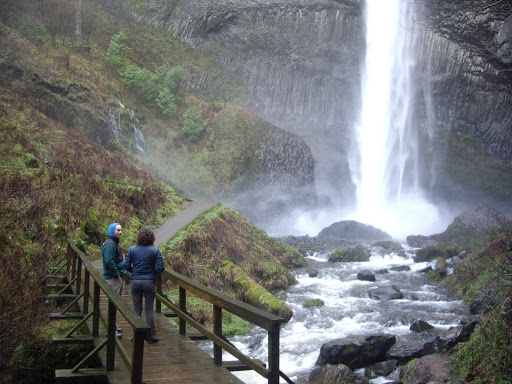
pixel 145 262
pixel 113 261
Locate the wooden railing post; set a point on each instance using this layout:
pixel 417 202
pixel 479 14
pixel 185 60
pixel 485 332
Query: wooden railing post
pixel 74 260
pixel 217 330
pixel 137 355
pixel 111 336
pixel 183 307
pixel 273 354
pixel 70 254
pixel 78 276
pixel 87 278
pixel 158 307
pixel 96 314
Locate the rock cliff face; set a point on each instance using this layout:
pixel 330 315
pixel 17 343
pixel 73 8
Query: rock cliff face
pixel 301 63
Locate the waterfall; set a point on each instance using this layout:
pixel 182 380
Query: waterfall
pixel 385 165
pixel 139 143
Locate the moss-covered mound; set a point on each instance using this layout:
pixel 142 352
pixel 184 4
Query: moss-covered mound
pixel 224 251
pixel 444 250
pixel 358 253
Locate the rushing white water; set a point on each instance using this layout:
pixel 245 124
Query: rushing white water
pixel 348 310
pixel 386 165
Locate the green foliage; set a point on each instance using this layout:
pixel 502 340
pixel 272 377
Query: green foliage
pixel 117 52
pixel 160 87
pixel 193 124
pixel 486 357
pixel 166 102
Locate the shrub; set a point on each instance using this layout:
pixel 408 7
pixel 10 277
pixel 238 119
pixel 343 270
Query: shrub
pixel 194 124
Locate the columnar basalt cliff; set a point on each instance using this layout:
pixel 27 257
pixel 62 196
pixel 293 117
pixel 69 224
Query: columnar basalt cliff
pixel 301 63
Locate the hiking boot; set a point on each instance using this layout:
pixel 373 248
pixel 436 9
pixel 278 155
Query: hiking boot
pixel 153 340
pixel 119 330
pixel 119 335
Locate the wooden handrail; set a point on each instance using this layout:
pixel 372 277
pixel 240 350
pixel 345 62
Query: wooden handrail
pixel 247 312
pixel 268 321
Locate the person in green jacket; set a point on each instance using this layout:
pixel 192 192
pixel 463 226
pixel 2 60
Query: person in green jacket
pixel 113 261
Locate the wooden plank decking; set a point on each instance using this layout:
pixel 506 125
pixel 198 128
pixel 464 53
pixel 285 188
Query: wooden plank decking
pixel 176 359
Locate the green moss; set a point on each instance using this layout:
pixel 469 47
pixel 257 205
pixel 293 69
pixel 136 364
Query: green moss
pixel 350 255
pixel 313 303
pixel 444 250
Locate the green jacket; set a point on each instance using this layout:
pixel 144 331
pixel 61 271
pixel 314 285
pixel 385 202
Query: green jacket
pixel 113 259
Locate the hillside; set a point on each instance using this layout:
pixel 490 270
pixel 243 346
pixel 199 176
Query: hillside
pixel 66 169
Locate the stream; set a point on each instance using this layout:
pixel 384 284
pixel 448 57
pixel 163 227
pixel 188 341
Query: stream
pixel 348 310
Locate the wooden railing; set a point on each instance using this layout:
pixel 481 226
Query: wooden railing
pixel 79 271
pixel 271 323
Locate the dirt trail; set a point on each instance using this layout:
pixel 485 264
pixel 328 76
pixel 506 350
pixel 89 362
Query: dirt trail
pixel 175 223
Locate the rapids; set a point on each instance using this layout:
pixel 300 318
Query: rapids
pixel 348 310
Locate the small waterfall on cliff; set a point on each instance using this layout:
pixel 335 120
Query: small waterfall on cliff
pixel 138 146
pixel 385 165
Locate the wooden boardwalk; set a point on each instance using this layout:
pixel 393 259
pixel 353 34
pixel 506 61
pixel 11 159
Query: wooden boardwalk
pixel 176 359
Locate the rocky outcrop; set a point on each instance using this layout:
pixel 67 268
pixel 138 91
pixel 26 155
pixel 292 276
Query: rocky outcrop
pixel 72 105
pixel 469 230
pixel 356 352
pixel 282 167
pixel 391 292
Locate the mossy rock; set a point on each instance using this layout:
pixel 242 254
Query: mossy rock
pixel 314 303
pixel 444 250
pixel 254 294
pixel 358 253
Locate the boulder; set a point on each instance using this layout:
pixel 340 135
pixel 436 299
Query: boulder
pixel 390 292
pixel 383 368
pixel 445 250
pixel 313 303
pixel 313 273
pixel 389 245
pixel 481 304
pixel 400 268
pixel 356 254
pixel 366 275
pixel 356 352
pixel 449 338
pixel 441 267
pixel 420 326
pixel 335 374
pixel 353 230
pixel 427 369
pixel 420 241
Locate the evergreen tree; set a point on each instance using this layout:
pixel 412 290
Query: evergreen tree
pixel 194 124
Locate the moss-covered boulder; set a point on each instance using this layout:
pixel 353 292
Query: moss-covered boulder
pixel 314 303
pixel 358 253
pixel 443 250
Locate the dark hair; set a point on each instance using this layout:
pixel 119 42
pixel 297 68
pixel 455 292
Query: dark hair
pixel 145 237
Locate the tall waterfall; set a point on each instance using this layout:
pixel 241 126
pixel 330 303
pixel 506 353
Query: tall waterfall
pixel 385 165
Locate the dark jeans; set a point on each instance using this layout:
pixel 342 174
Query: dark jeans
pixel 146 288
